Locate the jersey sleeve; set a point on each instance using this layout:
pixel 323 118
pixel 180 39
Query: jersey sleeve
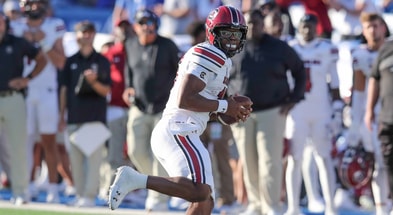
pixel 59 28
pixel 200 72
pixel 205 62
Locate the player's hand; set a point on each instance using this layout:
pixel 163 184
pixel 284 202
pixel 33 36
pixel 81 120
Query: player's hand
pixel 90 76
pixel 369 119
pixel 286 108
pixel 18 83
pixel 239 110
pixel 127 95
pixel 62 124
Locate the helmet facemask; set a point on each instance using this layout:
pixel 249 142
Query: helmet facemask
pixel 34 9
pixel 229 39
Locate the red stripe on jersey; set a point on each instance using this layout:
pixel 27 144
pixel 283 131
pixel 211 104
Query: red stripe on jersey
pixel 210 55
pixel 194 159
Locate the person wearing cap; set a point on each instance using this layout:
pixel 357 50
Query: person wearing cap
pixel 85 83
pixel 13 50
pixel 117 108
pixel 260 72
pixel 322 94
pixel 151 64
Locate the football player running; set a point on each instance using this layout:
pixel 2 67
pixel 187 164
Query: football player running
pixel 374 31
pixel 42 100
pixel 198 90
pixel 312 117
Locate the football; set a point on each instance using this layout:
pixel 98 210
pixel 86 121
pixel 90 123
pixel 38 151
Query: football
pixel 228 120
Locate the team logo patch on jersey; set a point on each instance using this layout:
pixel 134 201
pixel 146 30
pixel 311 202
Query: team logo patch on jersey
pixel 74 66
pixel 9 50
pixel 202 75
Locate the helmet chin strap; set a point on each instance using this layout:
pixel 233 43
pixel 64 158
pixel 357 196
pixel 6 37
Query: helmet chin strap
pixel 227 47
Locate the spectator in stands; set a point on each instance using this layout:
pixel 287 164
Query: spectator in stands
pixel 85 84
pixel 176 16
pixel 320 9
pixel 13 50
pixel 205 6
pixel 387 6
pixel 152 64
pixel 350 28
pixel 126 9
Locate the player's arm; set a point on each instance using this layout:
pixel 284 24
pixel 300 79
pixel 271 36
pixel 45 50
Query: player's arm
pixel 372 98
pixel 190 99
pixel 62 107
pixel 358 96
pixel 56 53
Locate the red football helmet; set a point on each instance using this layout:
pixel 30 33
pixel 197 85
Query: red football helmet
pixel 355 167
pixel 32 12
pixel 226 17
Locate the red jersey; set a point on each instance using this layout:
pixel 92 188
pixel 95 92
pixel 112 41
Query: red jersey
pixel 320 9
pixel 116 56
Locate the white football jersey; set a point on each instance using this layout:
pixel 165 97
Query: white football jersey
pixel 54 28
pixel 362 60
pixel 211 66
pixel 320 61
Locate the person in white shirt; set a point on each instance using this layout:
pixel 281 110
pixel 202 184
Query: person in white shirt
pixel 42 99
pixel 311 118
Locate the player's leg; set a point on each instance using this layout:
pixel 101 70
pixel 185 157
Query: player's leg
pixel 182 157
pixel 311 180
pixel 298 132
pixel 323 147
pixel 64 166
pixel 48 118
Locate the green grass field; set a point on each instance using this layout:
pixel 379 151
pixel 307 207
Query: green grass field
pixel 9 211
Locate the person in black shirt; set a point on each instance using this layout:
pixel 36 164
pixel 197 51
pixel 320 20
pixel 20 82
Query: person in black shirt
pixel 13 50
pixel 85 83
pixel 152 64
pixel 380 90
pixel 260 72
